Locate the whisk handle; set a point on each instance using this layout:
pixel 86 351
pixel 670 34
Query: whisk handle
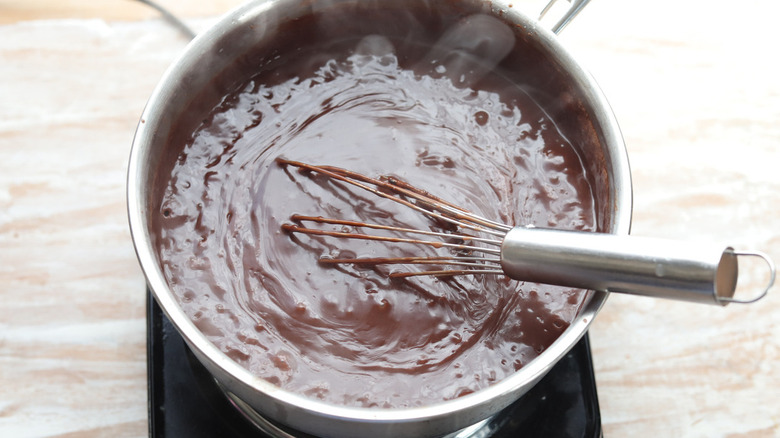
pixel 627 264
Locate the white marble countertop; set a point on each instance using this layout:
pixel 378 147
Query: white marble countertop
pixel 694 85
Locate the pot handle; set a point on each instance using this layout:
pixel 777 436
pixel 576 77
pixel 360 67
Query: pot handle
pixel 559 15
pixel 652 267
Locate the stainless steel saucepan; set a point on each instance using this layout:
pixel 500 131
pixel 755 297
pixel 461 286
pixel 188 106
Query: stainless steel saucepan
pixel 249 36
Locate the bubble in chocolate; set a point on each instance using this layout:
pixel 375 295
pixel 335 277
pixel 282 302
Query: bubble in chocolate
pixel 481 117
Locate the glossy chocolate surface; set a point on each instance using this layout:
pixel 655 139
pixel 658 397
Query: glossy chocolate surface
pixel 435 115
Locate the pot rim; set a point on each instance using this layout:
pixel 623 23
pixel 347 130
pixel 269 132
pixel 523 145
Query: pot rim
pixel 619 180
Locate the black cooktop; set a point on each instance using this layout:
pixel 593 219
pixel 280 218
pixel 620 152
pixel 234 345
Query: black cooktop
pixel 184 401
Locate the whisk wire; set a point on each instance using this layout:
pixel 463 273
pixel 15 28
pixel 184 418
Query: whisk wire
pixel 324 220
pixel 403 193
pixel 436 207
pixel 445 273
pixel 343 234
pixel 479 261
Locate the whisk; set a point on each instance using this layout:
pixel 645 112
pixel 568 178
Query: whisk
pixel 598 261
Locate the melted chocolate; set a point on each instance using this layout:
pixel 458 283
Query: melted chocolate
pixel 348 334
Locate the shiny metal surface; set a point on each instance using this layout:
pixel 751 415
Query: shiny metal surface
pixel 204 58
pixel 567 15
pixel 480 429
pixel 771 269
pixel 652 267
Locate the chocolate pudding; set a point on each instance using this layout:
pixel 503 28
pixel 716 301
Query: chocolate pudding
pixel 437 111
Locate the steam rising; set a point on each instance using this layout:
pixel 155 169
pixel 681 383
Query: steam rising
pixel 465 53
pixel 471 49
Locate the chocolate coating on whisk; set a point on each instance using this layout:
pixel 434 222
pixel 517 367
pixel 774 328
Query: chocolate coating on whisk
pixel 350 334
